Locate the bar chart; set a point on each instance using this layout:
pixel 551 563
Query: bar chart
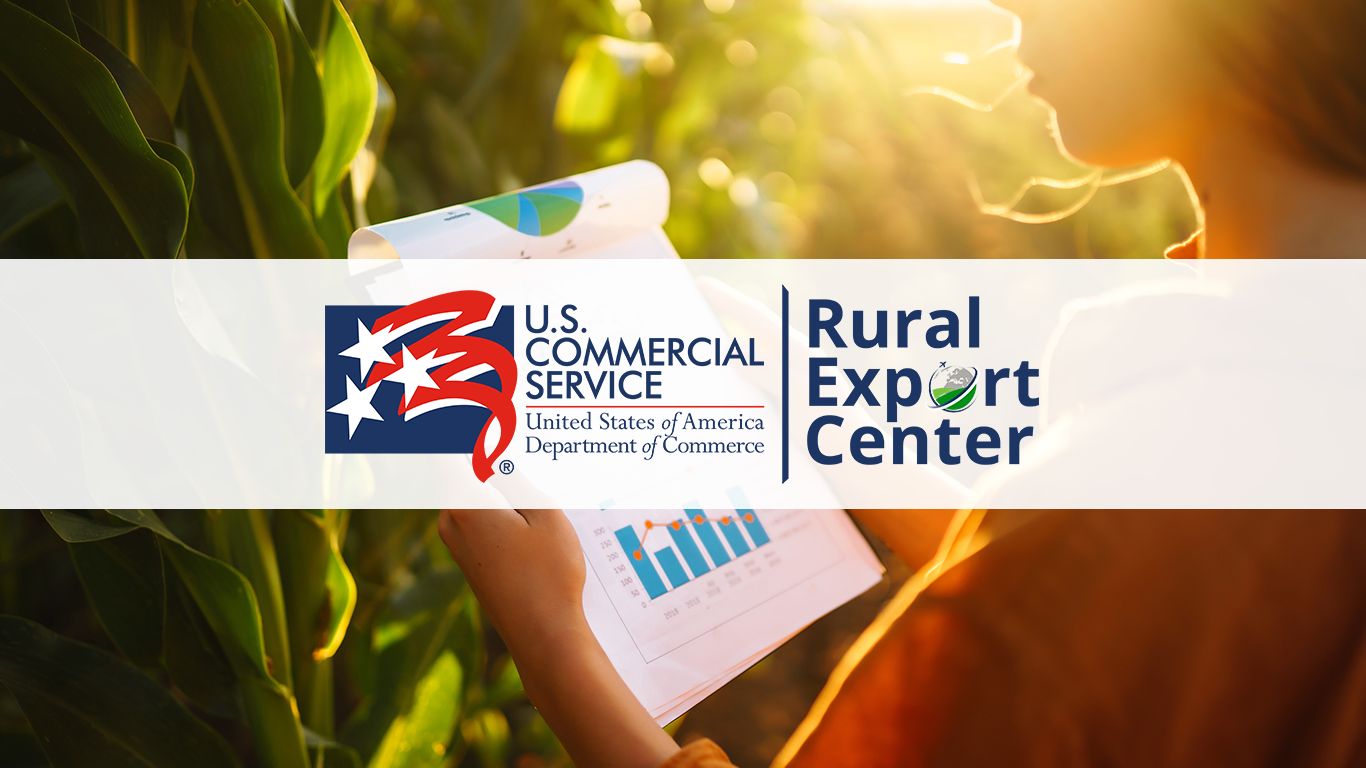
pixel 697 544
pixel 673 576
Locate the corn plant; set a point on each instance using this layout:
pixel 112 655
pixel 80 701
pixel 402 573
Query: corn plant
pixel 163 128
pixel 283 640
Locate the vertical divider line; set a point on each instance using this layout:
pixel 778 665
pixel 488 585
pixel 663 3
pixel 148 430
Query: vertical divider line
pixel 786 442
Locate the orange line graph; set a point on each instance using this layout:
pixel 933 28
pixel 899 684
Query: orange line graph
pixel 650 525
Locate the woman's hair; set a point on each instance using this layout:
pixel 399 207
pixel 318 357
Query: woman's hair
pixel 1304 63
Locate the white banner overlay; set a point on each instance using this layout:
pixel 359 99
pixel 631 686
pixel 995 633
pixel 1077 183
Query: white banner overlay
pixel 667 384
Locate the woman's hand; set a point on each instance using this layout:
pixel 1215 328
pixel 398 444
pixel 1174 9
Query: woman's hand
pixel 527 569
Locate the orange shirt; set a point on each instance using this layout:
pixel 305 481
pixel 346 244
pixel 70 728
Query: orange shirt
pixel 1114 638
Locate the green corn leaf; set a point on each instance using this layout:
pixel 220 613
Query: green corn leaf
pixel 301 546
pixel 341 600
pixel 22 119
pixel 303 110
pixel 409 636
pixel 320 596
pixel 25 194
pixel 590 91
pixel 145 519
pixel 159 44
pixel 177 157
pixel 77 529
pixel 194 657
pixel 225 597
pixel 143 100
pixel 103 231
pixel 242 539
pixel 272 13
pixel 237 81
pixel 318 586
pixel 349 90
pixel 142 97
pixel 59 97
pixel 230 608
pixel 229 604
pixel 488 732
pixel 275 726
pixel 90 707
pixel 326 753
pixel 334 225
pixel 366 162
pixel 315 18
pixel 55 12
pixel 295 66
pixel 418 737
pixel 122 577
pixel 215 204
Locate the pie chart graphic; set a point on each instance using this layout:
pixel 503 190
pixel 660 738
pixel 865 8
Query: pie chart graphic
pixel 537 211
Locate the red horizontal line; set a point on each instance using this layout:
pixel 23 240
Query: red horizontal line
pixel 679 407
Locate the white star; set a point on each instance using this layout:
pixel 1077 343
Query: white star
pixel 357 405
pixel 368 349
pixel 413 375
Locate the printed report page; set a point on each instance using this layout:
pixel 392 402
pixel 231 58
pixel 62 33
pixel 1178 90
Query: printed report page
pixel 683 600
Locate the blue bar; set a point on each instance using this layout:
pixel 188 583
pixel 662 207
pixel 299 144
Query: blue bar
pixel 645 570
pixel 688 546
pixel 672 568
pixel 707 533
pixel 733 535
pixel 752 524
pixel 755 528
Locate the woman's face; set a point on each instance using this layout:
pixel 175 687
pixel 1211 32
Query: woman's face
pixel 1129 79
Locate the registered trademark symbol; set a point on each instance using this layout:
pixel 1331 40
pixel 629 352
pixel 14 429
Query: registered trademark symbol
pixel 505 467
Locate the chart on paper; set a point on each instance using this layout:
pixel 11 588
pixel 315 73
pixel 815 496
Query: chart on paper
pixel 685 535
pixel 675 576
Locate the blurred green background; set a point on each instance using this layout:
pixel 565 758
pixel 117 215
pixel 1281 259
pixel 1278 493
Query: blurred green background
pixel 786 128
pixel 123 635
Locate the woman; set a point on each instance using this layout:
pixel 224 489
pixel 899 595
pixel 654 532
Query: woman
pixel 1071 638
